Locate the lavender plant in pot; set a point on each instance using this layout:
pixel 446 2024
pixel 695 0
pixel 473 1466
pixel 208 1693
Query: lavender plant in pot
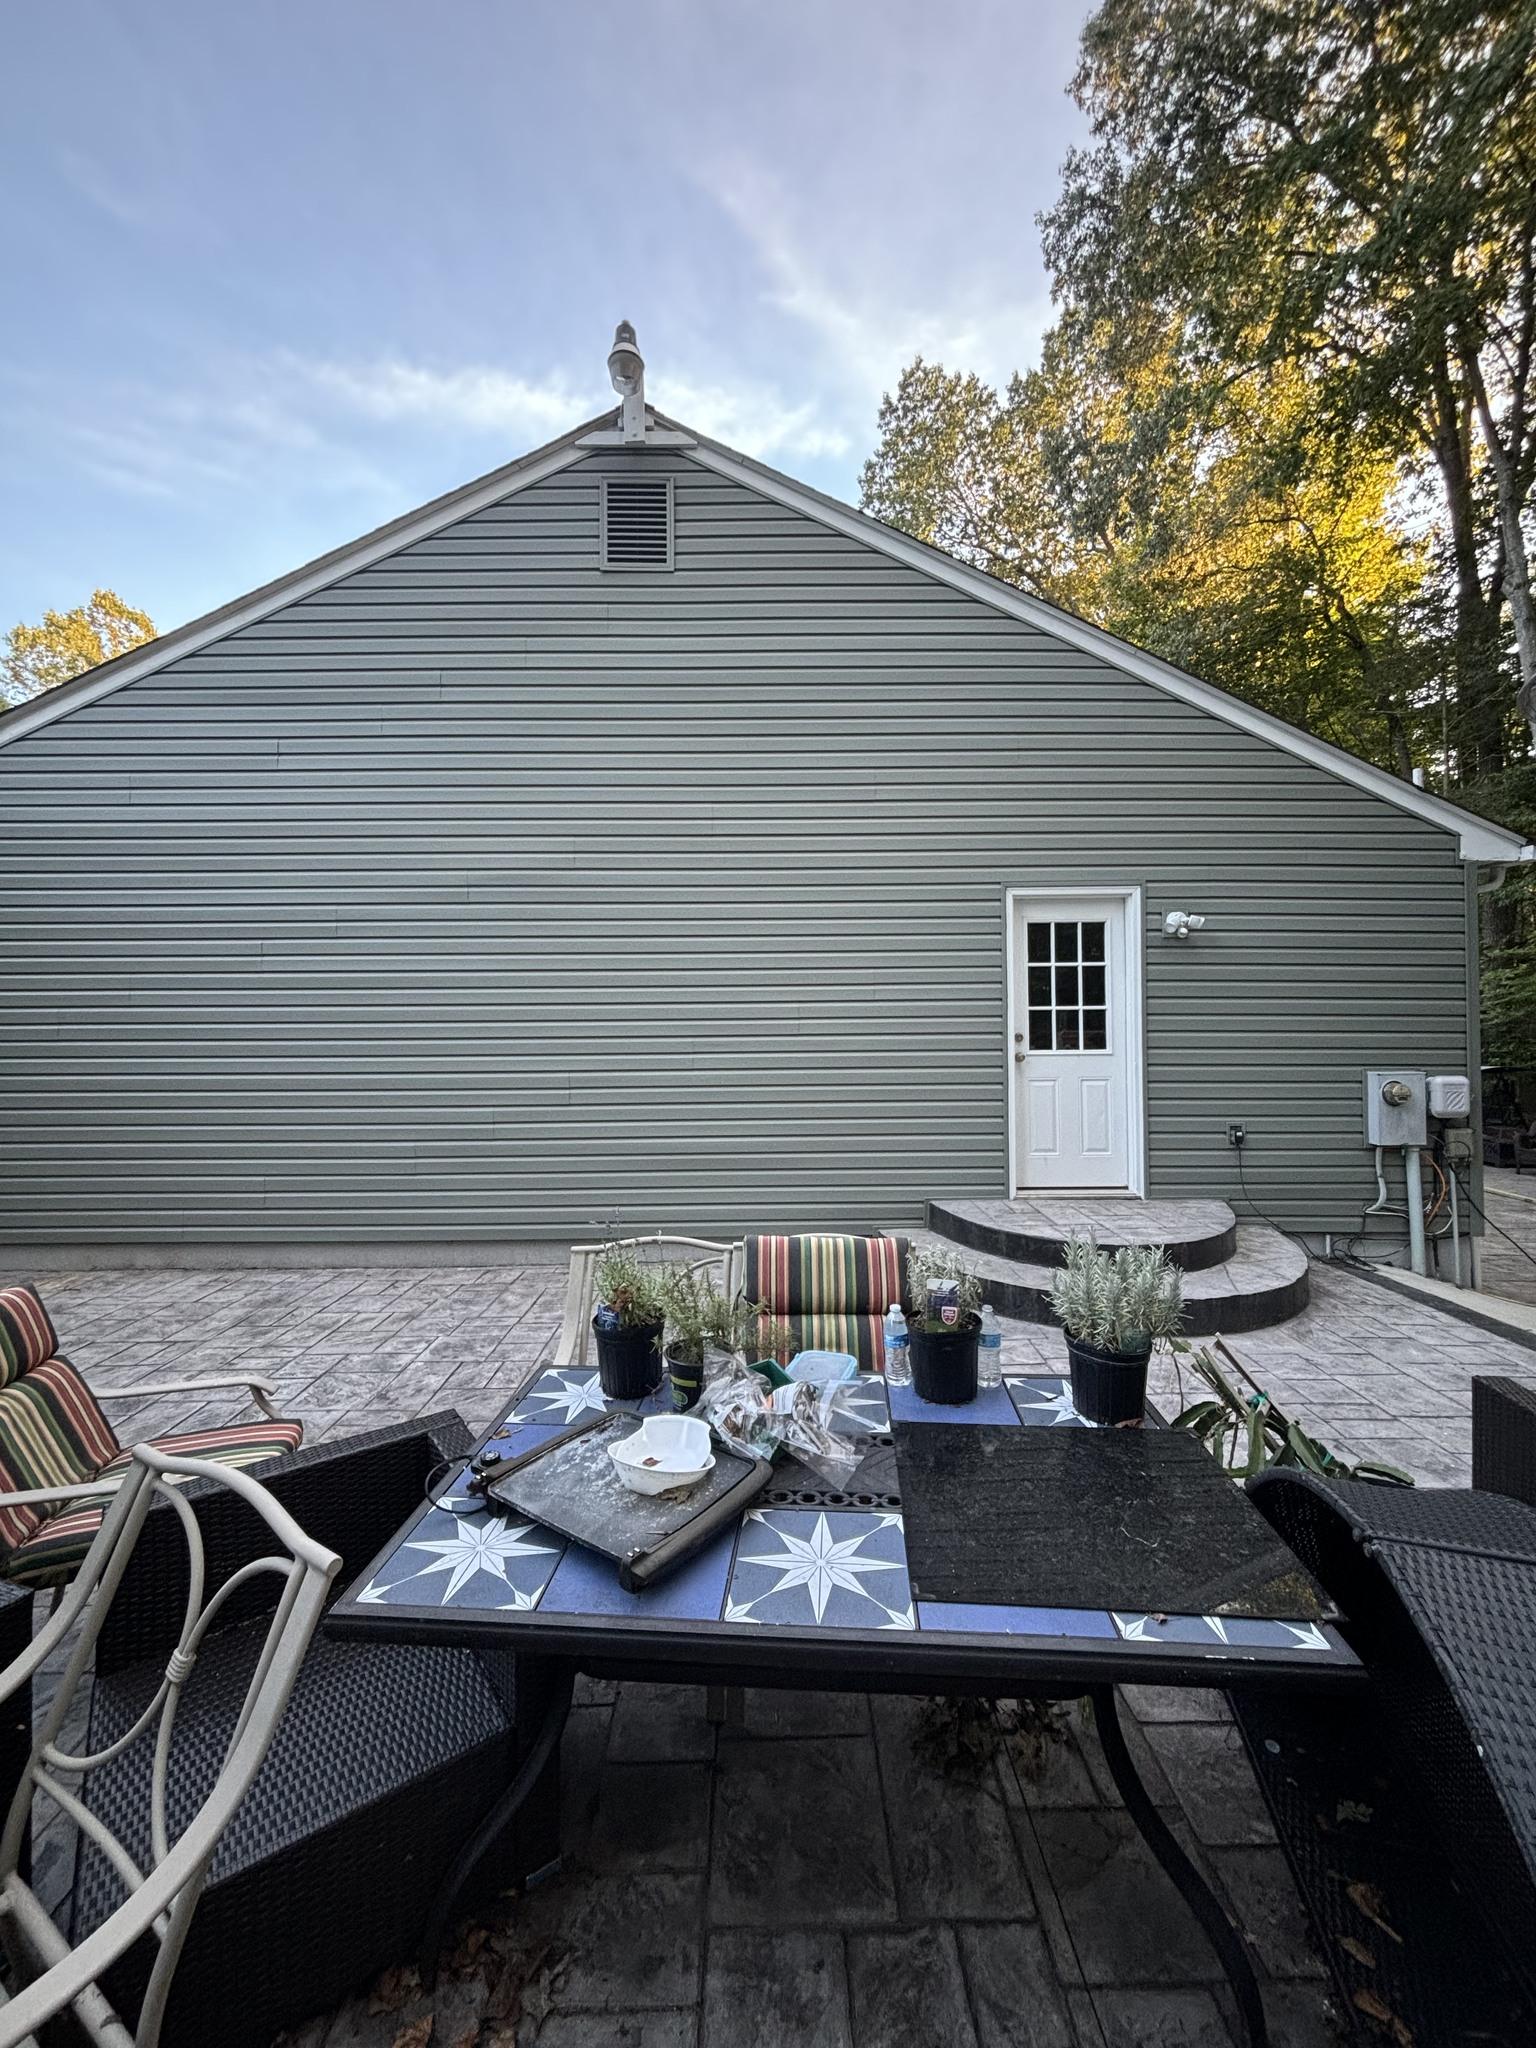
pixel 944 1321
pixel 1114 1306
pixel 628 1323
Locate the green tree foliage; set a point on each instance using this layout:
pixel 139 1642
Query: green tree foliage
pixel 66 644
pixel 1284 429
pixel 1348 185
pixel 1190 518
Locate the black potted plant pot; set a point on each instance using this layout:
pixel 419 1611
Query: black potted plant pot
pixel 944 1363
pixel 687 1376
pixel 1108 1386
pixel 628 1360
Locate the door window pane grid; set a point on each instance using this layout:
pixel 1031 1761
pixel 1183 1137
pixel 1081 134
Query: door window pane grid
pixel 1065 985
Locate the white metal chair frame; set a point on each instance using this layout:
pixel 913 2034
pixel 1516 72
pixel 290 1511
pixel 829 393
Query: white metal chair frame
pixel 260 1390
pixel 161 1900
pixel 576 1328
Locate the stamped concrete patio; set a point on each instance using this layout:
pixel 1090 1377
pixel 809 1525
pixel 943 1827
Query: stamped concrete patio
pixel 815 1878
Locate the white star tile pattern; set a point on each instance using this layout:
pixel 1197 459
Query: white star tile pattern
pixel 1046 1403
pixel 861 1408
pixel 1232 1631
pixel 799 1567
pixel 479 1560
pixel 561 1397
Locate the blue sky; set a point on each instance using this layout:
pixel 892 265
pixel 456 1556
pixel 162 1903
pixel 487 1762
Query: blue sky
pixel 282 271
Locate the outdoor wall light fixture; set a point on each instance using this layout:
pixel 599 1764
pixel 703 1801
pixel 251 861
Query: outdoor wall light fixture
pixel 1178 924
pixel 626 372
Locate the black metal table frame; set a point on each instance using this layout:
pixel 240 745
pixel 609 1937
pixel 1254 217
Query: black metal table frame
pixel 552 1649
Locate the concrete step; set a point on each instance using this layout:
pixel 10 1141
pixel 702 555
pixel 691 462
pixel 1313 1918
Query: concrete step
pixel 1264 1281
pixel 1035 1228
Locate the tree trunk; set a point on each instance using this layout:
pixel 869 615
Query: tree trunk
pixel 1479 713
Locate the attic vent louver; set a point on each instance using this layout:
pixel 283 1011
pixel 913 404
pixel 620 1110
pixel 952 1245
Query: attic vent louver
pixel 637 522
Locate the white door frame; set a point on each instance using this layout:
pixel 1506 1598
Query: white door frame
pixel 1135 1065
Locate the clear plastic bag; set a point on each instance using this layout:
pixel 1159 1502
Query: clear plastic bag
pixel 751 1416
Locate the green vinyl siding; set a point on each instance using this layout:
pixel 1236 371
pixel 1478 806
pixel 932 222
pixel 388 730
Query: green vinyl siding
pixel 487 895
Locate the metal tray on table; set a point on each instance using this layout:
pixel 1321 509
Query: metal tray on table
pixel 571 1486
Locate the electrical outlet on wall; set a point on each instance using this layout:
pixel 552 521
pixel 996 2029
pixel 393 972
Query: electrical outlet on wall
pixel 1237 1135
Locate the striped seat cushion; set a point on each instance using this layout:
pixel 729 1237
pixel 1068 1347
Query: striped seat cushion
pixel 52 1433
pixel 833 1292
pixel 54 1551
pixel 27 1335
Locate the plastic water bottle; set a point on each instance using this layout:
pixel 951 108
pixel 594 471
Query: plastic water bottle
pixel 898 1348
pixel 989 1351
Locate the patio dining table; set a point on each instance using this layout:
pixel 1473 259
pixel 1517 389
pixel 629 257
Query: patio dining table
pixel 998 1549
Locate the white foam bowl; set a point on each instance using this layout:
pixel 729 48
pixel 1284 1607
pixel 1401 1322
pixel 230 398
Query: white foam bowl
pixel 665 1452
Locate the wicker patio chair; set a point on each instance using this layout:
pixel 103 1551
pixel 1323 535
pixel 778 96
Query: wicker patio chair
pixel 385 1761
pixel 53 1433
pixel 157 1882
pixel 1410 1819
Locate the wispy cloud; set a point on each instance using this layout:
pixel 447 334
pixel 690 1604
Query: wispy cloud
pixel 859 304
pixel 291 425
pixel 753 416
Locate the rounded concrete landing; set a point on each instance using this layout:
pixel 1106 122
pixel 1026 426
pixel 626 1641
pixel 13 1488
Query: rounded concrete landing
pixel 1036 1228
pixel 1266 1280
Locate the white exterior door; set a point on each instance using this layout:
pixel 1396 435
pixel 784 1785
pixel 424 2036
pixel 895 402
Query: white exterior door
pixel 1073 1032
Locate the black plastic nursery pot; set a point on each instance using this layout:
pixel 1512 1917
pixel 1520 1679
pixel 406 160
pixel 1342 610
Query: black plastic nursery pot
pixel 629 1361
pixel 1108 1386
pixel 944 1364
pixel 687 1376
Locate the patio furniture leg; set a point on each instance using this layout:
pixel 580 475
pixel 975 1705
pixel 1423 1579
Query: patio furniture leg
pixel 558 1681
pixel 1197 1894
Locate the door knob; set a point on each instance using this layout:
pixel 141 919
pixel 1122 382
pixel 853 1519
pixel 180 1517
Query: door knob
pixel 1019 1057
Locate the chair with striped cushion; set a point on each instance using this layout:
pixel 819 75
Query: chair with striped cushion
pixel 53 1433
pixel 832 1292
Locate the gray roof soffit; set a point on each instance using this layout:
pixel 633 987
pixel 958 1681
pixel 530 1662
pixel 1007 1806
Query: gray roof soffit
pixel 1478 839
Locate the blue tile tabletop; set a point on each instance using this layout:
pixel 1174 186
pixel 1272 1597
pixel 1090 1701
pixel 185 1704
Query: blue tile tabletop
pixel 990 1405
pixel 814 1568
pixel 1229 1631
pixel 1046 1403
pixel 563 1396
pixel 803 1566
pixel 961 1617
pixel 584 1583
pixel 467 1560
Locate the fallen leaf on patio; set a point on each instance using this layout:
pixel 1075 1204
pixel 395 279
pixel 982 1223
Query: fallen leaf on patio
pixel 393 1988
pixel 1377 2009
pixel 524 1988
pixel 1358 1950
pixel 416 2035
pixel 1373 1906
pixel 462 1960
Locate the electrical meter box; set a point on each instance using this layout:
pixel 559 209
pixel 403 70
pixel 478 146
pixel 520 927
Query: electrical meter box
pixel 1396 1106
pixel 1450 1097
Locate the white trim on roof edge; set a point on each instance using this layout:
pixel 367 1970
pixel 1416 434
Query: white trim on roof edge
pixel 1478 839
pixel 303 582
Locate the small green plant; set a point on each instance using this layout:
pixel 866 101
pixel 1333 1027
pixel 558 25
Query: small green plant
pixel 1121 1301
pixel 633 1290
pixel 701 1317
pixel 1244 1430
pixel 941 1265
